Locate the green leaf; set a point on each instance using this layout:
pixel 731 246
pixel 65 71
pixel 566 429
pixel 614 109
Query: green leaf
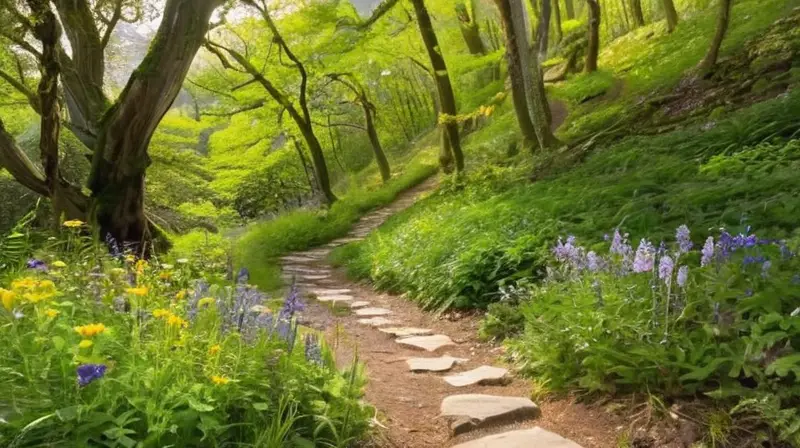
pixel 260 406
pixel 69 413
pixel 782 366
pixel 198 406
pixel 58 342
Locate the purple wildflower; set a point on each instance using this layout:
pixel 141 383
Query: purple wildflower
pixel 313 350
pixel 708 251
pixel 645 257
pixel 592 262
pixel 683 276
pixel 682 236
pixel 568 252
pixel 292 304
pixel 665 268
pixel 765 268
pixel 243 276
pixel 38 265
pixel 90 372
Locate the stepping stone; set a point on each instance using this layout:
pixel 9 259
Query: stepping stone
pixel 376 321
pixel 298 259
pixel 329 292
pixel 317 253
pixel 342 241
pixel 521 438
pixel 402 332
pixel 302 270
pixel 429 343
pixel 472 411
pixel 359 304
pixel 441 364
pixel 483 375
pixel 373 312
pixel 311 277
pixel 335 298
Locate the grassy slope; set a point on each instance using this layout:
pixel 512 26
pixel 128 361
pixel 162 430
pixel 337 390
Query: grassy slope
pixel 457 247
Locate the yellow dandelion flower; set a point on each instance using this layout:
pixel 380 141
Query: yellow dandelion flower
pixel 175 321
pixel 8 298
pixel 86 343
pixel 51 312
pixel 59 264
pixel 140 291
pixel 214 349
pixel 73 223
pixel 90 330
pixel 180 295
pixel 206 301
pixel 159 313
pixel 219 380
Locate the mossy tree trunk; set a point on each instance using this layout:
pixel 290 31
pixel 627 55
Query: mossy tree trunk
pixel 569 7
pixel 593 47
pixel 447 99
pixel 557 27
pixel 470 30
pixel 543 29
pixel 671 14
pixel 637 13
pixel 723 20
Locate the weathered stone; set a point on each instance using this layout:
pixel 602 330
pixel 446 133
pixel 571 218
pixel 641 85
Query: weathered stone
pixel 298 259
pixel 441 364
pixel 359 304
pixel 304 270
pixel 306 277
pixel 372 312
pixel 483 375
pixel 522 438
pixel 376 321
pixel 429 343
pixel 471 411
pixel 329 292
pixel 343 241
pixel 402 332
pixel 335 298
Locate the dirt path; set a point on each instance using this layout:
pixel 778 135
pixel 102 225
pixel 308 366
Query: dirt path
pixel 409 403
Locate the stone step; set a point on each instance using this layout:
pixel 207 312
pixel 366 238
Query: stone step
pixel 291 269
pixel 305 277
pixel 402 332
pixel 522 438
pixel 373 312
pixel 328 292
pixel 359 304
pixel 298 259
pixel 376 321
pixel 429 343
pixel 441 364
pixel 472 411
pixel 483 375
pixel 335 298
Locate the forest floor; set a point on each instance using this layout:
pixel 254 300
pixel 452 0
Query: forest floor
pixel 408 403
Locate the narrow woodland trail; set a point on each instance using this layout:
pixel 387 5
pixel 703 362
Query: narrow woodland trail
pixel 459 393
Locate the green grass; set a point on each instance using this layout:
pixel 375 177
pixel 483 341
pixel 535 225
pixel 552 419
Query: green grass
pixel 260 246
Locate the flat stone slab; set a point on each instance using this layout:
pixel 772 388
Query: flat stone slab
pixel 298 259
pixel 429 343
pixel 349 240
pixel 522 438
pixel 471 411
pixel 359 304
pixel 376 321
pixel 441 364
pixel 483 375
pixel 305 270
pixel 329 292
pixel 306 277
pixel 372 312
pixel 402 332
pixel 335 298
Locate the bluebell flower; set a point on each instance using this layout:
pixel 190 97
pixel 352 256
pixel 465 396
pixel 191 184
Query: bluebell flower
pixel 292 304
pixel 708 252
pixel 38 265
pixel 765 268
pixel 665 268
pixel 243 276
pixel 645 257
pixel 313 350
pixel 90 372
pixel 786 253
pixel 593 262
pixel 751 259
pixel 683 276
pixel 683 237
pixel 113 246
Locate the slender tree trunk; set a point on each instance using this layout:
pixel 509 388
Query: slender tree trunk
pixel 543 30
pixel 594 36
pixel 672 15
pixel 470 30
pixel 334 146
pixel 570 9
pixel 380 156
pixel 447 98
pixel 557 15
pixel 624 7
pixel 637 13
pixel 312 183
pixel 723 19
pixel 121 159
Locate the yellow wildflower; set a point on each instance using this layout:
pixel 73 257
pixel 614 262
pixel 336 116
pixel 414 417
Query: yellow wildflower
pixel 7 298
pixel 47 285
pixel 59 264
pixel 141 265
pixel 36 297
pixel 205 302
pixel 214 349
pixel 130 258
pixel 51 312
pixel 118 271
pixel 140 291
pixel 73 223
pixel 159 313
pixel 24 283
pixel 86 343
pixel 220 380
pixel 90 330
pixel 175 321
pixel 165 275
pixel 180 295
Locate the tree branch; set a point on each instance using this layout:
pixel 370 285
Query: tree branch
pixel 377 13
pixel 345 125
pixel 112 24
pixel 19 165
pixel 249 107
pixel 209 89
pixel 33 100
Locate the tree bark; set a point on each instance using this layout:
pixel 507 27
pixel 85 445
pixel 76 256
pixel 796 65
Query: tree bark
pixel 637 13
pixel 470 30
pixel 121 159
pixel 570 9
pixel 593 47
pixel 557 15
pixel 447 99
pixel 671 14
pixel 543 30
pixel 723 19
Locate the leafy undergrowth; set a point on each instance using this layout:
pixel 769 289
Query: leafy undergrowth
pixel 718 319
pixel 302 229
pixel 119 352
pixel 458 247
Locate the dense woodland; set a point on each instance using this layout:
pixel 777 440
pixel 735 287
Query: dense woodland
pixel 615 199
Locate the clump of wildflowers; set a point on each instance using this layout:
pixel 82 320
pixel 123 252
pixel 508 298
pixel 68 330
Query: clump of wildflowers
pixel 90 372
pixel 90 330
pixel 292 304
pixel 683 276
pixel 665 268
pixel 220 380
pixel 683 237
pixel 708 252
pixel 35 264
pixel 645 257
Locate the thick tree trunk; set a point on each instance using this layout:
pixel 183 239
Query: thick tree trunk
pixel 312 183
pixel 543 30
pixel 570 9
pixel 593 47
pixel 447 98
pixel 637 13
pixel 470 30
pixel 671 14
pixel 318 160
pixel 723 19
pixel 121 159
pixel 557 15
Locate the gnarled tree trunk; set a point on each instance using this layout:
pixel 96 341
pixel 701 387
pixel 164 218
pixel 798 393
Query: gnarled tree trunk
pixel 593 47
pixel 637 13
pixel 723 19
pixel 447 99
pixel 671 14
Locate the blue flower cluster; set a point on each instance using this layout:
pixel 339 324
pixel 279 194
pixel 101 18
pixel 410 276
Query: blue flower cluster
pixel 90 372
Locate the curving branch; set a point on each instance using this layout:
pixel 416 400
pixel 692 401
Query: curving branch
pixel 112 23
pixel 249 107
pixel 21 87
